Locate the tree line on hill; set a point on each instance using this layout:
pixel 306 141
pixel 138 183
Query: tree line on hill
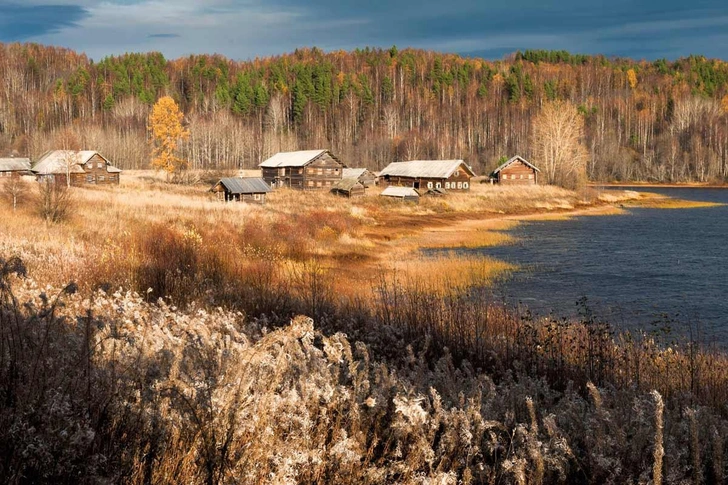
pixel 660 121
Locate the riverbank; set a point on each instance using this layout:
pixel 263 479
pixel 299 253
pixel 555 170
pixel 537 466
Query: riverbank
pixel 648 185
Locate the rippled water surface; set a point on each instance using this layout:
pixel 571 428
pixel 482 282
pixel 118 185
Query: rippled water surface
pixel 632 268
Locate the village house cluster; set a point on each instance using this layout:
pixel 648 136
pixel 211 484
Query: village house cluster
pixel 409 180
pixel 85 167
pixel 302 170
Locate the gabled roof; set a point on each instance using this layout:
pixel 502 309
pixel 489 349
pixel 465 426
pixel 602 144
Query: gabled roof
pixel 354 172
pixel 247 185
pixel 55 162
pixel 295 159
pixel 514 159
pixel 346 184
pixel 14 164
pixel 425 168
pixel 400 192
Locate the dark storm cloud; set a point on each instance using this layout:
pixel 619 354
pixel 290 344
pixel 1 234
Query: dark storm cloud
pixel 20 22
pixel 618 28
pixel 243 29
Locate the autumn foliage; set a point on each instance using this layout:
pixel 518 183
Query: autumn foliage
pixel 660 121
pixel 165 126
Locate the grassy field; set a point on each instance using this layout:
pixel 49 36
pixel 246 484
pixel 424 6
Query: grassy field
pixel 181 352
pixel 104 239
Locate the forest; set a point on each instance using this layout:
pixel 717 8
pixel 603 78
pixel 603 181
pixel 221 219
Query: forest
pixel 661 121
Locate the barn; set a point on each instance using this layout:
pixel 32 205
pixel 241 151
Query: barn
pixel 348 187
pixel 363 175
pixel 85 167
pixel 451 175
pixel 241 189
pixel 406 194
pixel 303 170
pixel 14 167
pixel 516 171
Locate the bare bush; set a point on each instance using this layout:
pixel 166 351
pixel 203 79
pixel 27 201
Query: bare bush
pixel 54 201
pixel 15 192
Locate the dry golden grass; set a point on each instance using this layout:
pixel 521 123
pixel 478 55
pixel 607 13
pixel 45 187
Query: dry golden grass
pixel 668 203
pixel 449 272
pixel 353 238
pixel 225 399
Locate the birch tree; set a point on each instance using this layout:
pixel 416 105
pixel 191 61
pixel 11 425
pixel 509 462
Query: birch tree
pixel 558 144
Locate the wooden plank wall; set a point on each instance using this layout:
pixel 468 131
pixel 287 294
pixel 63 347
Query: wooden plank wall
pixel 517 173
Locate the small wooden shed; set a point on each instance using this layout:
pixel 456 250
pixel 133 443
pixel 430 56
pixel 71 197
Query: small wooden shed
pixel 239 189
pixel 348 187
pixel 14 167
pixel 407 194
pixel 516 171
pixel 364 176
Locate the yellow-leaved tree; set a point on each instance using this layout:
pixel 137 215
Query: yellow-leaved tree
pixel 632 78
pixel 724 103
pixel 165 126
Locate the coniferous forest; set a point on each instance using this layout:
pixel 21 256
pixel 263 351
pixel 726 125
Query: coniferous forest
pixel 661 121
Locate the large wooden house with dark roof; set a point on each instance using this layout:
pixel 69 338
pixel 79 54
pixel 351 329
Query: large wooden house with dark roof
pixel 303 170
pixel 516 171
pixel 85 167
pixel 452 175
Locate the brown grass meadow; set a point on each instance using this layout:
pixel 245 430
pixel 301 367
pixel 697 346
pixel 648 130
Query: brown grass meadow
pixel 312 341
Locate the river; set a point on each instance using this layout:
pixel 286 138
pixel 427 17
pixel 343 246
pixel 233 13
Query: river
pixel 649 269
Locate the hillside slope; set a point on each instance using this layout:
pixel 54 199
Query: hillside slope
pixel 661 121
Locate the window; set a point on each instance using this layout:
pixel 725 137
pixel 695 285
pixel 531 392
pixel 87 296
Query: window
pixel 89 166
pixel 447 185
pixel 100 165
pixel 256 196
pixel 465 185
pixel 520 176
pixel 530 176
pixel 460 185
pixel 101 178
pixel 310 183
pixel 89 179
pixel 318 184
pixel 438 185
pixel 429 185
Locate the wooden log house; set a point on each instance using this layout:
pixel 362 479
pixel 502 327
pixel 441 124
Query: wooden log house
pixel 303 170
pixel 14 167
pixel 241 189
pixel 86 167
pixel 516 171
pixel 451 175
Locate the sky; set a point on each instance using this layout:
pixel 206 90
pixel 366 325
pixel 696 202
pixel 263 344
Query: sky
pixel 245 29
